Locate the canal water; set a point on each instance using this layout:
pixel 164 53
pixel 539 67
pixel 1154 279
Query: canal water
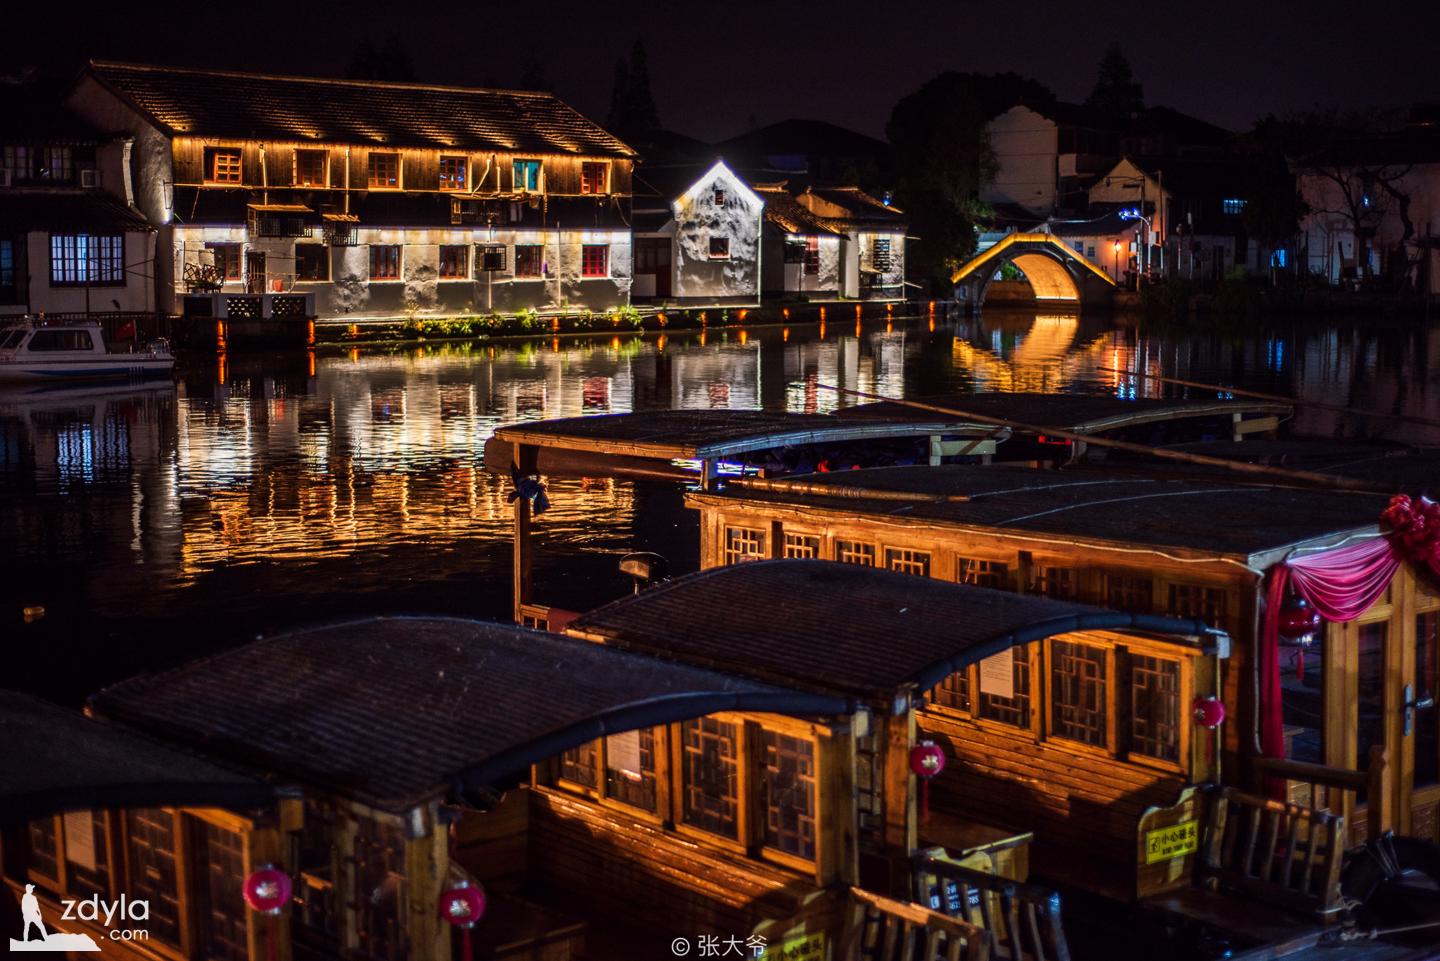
pixel 262 493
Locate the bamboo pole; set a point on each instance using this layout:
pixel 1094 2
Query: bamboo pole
pixel 1259 395
pixel 1308 477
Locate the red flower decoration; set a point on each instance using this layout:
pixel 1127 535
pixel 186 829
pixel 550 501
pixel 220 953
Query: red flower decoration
pixel 1415 525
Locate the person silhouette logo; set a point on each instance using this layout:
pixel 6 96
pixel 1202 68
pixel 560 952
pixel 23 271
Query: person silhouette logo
pixel 47 941
pixel 30 911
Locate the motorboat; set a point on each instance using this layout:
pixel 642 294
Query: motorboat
pixel 75 350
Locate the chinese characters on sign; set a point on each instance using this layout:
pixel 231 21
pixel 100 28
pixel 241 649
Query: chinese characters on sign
pixel 1165 844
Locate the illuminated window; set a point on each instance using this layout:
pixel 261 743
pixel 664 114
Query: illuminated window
pixel 526 175
pixel 719 248
pixel 710 776
pixel 881 256
pixel 384 261
pixel 57 165
pixel 788 781
pixel 969 570
pixel 384 170
pixel 453 173
pixel 18 162
pixel 801 545
pixel 630 768
pixel 594 178
pixel 1059 582
pixel 1154 706
pixel 7 269
pixel 228 263
pixel 855 552
pixel 594 260
pixel 577 765
pixel 312 262
pixel 1078 692
pixel 222 165
pixel 812 256
pixel 1233 205
pixel 953 692
pixel 907 561
pixel 1014 708
pixel 743 544
pixel 529 260
pixel 454 261
pixel 310 168
pixel 78 260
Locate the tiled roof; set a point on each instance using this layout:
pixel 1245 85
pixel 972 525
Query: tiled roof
pixel 208 103
pixel 57 759
pixel 395 711
pixel 785 212
pixel 1203 516
pixel 1074 412
pixel 844 628
pixel 90 210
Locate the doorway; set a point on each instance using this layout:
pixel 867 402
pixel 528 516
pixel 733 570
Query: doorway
pixel 255 272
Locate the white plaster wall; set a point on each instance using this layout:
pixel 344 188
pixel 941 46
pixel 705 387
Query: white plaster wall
pixel 698 219
pixel 137 294
pixel 1027 147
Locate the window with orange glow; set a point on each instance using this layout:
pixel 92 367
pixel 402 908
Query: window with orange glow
pixel 594 178
pixel 310 168
pixel 454 262
pixel 595 260
pixel 385 170
pixel 453 173
pixel 385 262
pixel 222 165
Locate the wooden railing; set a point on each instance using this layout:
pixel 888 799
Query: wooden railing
pixel 1021 921
pixel 1335 789
pixel 882 929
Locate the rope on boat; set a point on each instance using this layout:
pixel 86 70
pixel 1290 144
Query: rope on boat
pixel 1309 477
pixel 1260 395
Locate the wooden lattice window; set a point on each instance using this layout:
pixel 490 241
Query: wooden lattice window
pixel 384 170
pixel 87 845
pixel 454 261
pixel 711 776
pixel 1154 684
pixel 529 260
pixel 907 561
pixel 150 864
pixel 953 692
pixel 453 172
pixel 577 765
pixel 855 552
pixel 379 895
pixel 1057 582
pixel 812 256
pixel 970 570
pixel 594 177
pixel 630 768
pixel 1127 592
pixel 312 262
pixel 222 165
pixel 219 875
pixel 1014 709
pixel 384 261
pixel 594 260
pixel 310 168
pixel 881 258
pixel 1078 693
pixel 801 545
pixel 743 544
pixel 42 850
pixel 788 782
pixel 1203 603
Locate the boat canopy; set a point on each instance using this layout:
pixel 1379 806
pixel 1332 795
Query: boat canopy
pixel 397 711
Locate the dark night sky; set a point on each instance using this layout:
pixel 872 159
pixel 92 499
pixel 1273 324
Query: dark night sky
pixel 715 66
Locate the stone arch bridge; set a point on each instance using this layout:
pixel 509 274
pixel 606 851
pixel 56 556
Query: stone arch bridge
pixel 1058 275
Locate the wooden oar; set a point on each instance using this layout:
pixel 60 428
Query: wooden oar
pixel 1258 395
pixel 1309 477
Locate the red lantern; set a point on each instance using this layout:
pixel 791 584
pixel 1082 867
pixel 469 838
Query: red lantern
pixel 926 761
pixel 1297 626
pixel 267 890
pixel 1209 712
pixel 461 906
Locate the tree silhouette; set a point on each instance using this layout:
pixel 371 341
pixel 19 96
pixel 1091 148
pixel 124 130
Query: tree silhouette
pixel 632 105
pixel 1117 92
pixel 532 74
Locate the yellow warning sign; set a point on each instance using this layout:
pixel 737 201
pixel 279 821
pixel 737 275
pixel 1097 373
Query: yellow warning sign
pixel 1166 844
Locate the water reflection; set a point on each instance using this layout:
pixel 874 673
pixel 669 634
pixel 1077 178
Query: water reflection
pixel 264 492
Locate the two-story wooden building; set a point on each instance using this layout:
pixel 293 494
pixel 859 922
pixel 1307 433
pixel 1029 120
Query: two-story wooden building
pixel 379 199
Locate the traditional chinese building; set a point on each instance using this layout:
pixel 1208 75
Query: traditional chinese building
pixel 376 199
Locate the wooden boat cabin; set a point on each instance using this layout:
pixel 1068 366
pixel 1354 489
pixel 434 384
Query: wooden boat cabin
pixel 1059 722
pixel 91 811
pixel 1147 420
pixel 1311 701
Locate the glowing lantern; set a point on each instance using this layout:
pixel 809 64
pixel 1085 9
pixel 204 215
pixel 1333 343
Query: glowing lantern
pixel 267 890
pixel 926 761
pixel 1209 712
pixel 461 906
pixel 1296 626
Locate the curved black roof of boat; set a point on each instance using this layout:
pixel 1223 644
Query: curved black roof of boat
pixel 394 711
pixel 1077 413
pixel 57 760
pixel 845 628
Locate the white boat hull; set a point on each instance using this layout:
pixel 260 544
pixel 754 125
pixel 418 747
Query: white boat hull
pixel 106 367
